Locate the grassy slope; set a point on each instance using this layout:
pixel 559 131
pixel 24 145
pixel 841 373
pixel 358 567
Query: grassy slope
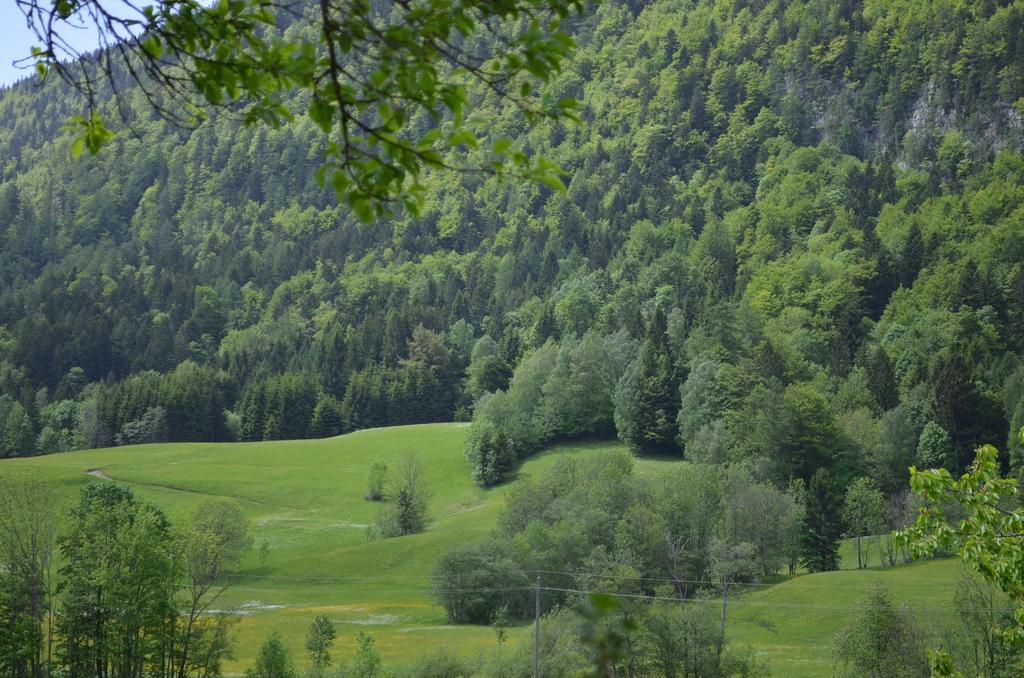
pixel 305 499
pixel 791 624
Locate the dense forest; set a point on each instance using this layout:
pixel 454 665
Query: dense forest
pixel 792 235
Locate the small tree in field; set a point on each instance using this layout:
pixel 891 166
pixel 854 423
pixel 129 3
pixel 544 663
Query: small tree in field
pixel 375 484
pixel 319 640
pixel 272 661
pixel 366 661
pixel 881 641
pixel 407 514
pixel 864 513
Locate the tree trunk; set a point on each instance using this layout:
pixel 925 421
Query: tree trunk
pixel 725 603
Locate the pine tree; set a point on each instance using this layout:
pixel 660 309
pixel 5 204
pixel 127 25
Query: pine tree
pixel 912 259
pixel 882 380
pixel 546 325
pixel 822 526
pixel 409 520
pixel 18 437
pixel 647 399
pixel 326 420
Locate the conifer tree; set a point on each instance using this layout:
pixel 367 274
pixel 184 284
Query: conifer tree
pixel 647 398
pixel 326 420
pixel 822 526
pixel 912 259
pixel 882 380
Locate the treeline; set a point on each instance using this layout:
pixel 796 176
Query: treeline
pixel 594 524
pixel 858 348
pixel 808 210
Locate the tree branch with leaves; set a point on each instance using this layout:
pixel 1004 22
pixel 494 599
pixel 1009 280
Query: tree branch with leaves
pixel 389 83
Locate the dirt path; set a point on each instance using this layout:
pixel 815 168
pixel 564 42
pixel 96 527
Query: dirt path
pixel 98 473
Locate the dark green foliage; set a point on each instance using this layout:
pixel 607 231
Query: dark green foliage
pixel 497 459
pixel 405 512
pixel 287 407
pixel 17 438
pixel 822 524
pixel 470 579
pixel 647 397
pixel 882 380
pixel 912 256
pixel 326 420
pixel 408 517
pixel 967 413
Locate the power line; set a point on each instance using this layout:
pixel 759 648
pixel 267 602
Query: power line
pixel 707 581
pixel 741 601
pixel 671 599
pixel 532 573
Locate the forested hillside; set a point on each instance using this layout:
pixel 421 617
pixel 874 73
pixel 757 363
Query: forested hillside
pixel 793 234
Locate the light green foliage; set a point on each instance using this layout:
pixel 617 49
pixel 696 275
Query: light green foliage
pixel 371 79
pixel 558 391
pixel 319 639
pixel 28 531
pixel 711 392
pixel 863 513
pixel 273 661
pixel 973 640
pixel 934 448
pixel 376 480
pixel 987 538
pixel 227 525
pixel 840 260
pixel 151 427
pixel 310 513
pixel 118 571
pixel 881 641
pixel 686 525
pixel 366 662
pixel 440 663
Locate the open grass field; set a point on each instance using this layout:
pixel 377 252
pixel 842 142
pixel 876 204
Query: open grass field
pixel 305 499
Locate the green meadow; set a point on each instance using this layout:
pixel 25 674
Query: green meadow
pixel 305 501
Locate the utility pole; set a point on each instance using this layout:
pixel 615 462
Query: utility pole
pixel 536 629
